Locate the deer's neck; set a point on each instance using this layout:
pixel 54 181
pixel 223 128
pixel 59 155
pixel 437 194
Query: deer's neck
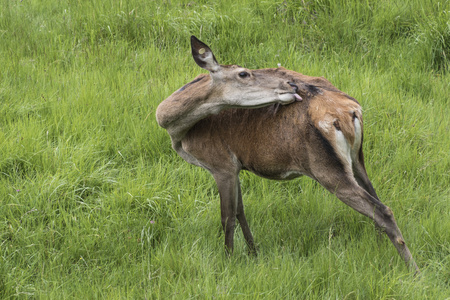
pixel 184 108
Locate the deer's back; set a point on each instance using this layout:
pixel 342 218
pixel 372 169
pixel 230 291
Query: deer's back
pixel 277 142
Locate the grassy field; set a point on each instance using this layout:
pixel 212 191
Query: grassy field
pixel 96 205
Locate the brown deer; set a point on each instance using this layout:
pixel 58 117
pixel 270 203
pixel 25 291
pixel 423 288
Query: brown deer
pixel 319 134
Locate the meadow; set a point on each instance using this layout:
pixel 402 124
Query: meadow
pixel 94 203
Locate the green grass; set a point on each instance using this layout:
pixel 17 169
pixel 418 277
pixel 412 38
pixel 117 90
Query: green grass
pixel 96 204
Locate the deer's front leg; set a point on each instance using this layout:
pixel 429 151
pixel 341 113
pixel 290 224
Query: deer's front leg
pixel 243 223
pixel 228 185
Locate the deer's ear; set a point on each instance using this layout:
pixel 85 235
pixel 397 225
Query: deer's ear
pixel 203 56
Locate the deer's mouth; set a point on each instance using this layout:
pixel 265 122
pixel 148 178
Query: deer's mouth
pixel 295 87
pixel 287 98
pixel 297 97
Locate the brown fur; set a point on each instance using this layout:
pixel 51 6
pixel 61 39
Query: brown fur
pixel 289 143
pixel 274 143
pixel 320 136
pixel 184 101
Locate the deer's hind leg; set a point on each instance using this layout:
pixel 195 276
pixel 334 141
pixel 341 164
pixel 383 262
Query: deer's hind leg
pixel 337 175
pixel 351 193
pixel 360 174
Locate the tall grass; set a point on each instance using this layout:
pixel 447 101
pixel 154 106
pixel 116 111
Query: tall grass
pixel 95 204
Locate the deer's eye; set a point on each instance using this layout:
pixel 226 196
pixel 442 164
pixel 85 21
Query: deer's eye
pixel 244 74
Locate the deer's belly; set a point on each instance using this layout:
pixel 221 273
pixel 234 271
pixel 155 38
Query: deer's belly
pixel 275 174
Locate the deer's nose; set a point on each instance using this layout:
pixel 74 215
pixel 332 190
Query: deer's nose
pixel 294 86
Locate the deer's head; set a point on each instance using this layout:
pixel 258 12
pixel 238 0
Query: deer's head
pixel 235 86
pixel 224 87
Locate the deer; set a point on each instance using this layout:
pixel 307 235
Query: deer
pixel 278 124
